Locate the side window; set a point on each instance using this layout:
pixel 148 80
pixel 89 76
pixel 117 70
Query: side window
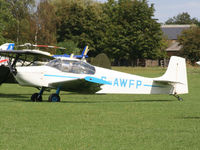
pixel 87 68
pixel 75 67
pixel 55 63
pixel 66 66
pixel 72 66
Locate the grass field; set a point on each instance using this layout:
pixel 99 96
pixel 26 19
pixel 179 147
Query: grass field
pixel 101 122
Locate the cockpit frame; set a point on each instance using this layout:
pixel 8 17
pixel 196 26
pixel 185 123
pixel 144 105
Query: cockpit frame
pixel 72 66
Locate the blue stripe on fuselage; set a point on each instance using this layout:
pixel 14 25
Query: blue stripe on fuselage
pixel 152 85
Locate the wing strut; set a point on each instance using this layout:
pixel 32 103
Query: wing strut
pixel 15 61
pixel 13 65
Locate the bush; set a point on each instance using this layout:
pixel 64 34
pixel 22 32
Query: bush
pixel 101 60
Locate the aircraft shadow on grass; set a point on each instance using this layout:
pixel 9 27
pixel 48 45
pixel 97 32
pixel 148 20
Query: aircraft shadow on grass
pixel 190 118
pixel 25 98
pixel 103 101
pixel 13 95
pixel 116 101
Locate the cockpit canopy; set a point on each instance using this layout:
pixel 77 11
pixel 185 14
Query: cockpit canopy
pixel 72 66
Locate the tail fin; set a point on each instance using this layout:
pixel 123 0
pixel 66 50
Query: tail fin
pixel 84 53
pixel 176 75
pixel 72 55
pixel 7 46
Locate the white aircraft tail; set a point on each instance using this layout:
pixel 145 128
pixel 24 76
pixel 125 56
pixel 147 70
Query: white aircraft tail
pixel 7 46
pixel 176 75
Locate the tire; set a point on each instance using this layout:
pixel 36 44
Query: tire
pixel 54 98
pixel 35 98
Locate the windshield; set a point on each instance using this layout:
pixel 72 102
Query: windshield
pixel 72 66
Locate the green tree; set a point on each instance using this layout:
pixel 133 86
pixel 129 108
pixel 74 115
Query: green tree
pixel 6 19
pixel 22 11
pixel 182 18
pixel 46 21
pixel 133 32
pixel 70 46
pixel 124 29
pixel 189 40
pixel 80 21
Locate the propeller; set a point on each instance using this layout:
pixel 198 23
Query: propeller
pixel 35 45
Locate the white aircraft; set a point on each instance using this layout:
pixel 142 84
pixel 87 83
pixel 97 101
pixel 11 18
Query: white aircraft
pixel 79 76
pixel 6 46
pixel 198 62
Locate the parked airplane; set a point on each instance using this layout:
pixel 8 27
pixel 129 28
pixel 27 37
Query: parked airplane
pixel 83 55
pixel 10 46
pixel 198 62
pixel 76 75
pixel 27 61
pixel 6 46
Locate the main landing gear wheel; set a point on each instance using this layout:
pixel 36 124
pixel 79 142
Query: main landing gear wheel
pixel 36 97
pixel 54 98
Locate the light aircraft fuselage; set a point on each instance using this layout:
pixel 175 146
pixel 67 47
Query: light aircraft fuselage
pixel 66 74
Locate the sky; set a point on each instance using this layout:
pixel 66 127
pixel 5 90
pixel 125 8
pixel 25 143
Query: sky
pixel 165 9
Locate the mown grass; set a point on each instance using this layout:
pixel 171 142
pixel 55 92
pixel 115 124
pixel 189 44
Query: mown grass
pixel 101 122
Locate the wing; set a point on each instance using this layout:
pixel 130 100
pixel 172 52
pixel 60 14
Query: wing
pixel 27 55
pixel 77 85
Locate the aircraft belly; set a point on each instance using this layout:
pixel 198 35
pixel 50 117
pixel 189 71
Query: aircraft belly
pixel 144 89
pixel 122 90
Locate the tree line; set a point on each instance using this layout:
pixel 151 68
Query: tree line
pixel 190 38
pixel 125 30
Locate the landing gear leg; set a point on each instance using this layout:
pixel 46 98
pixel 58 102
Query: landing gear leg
pixel 55 97
pixel 37 97
pixel 178 97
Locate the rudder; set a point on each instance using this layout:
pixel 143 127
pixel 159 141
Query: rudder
pixel 177 74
